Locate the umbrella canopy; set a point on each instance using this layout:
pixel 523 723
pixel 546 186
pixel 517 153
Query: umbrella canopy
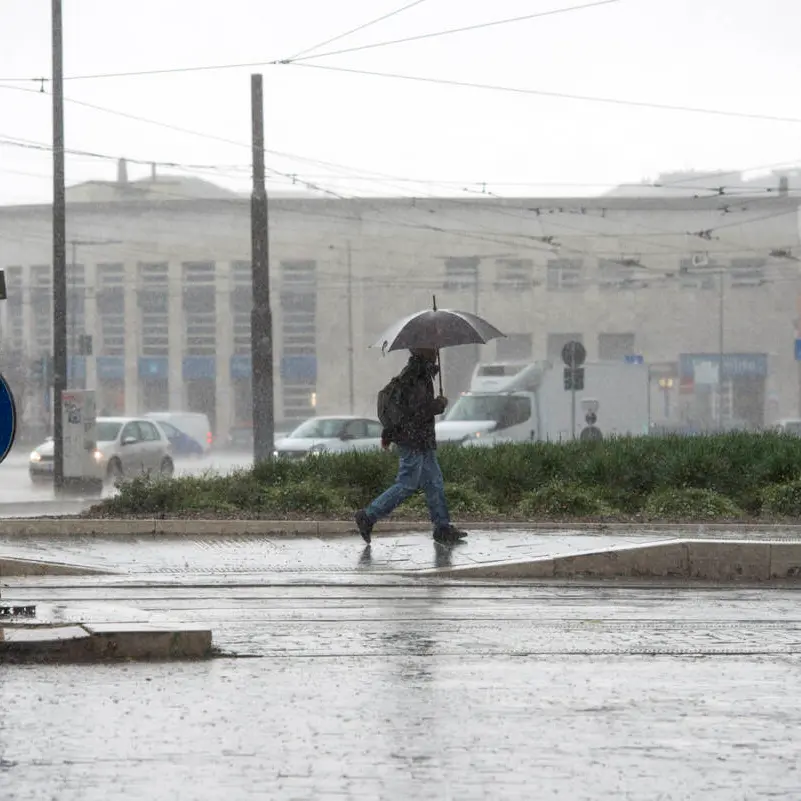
pixel 437 328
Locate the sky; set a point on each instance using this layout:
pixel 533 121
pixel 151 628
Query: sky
pixel 351 134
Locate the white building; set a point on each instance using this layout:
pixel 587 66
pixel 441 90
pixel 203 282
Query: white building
pixel 161 280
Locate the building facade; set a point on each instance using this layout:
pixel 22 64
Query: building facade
pixel 162 284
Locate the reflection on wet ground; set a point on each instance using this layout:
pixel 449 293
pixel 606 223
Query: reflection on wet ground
pixel 364 687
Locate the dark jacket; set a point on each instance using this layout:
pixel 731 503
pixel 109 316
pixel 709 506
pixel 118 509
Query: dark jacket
pixel 420 407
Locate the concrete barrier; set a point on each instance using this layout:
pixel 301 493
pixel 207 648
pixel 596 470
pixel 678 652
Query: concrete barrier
pixel 101 643
pixel 709 560
pixel 36 567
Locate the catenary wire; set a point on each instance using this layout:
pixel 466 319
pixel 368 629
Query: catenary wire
pixel 361 27
pixel 450 31
pixel 544 93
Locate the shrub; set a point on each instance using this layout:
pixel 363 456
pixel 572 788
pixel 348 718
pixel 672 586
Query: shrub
pixel 723 476
pixel 689 504
pixel 559 499
pixel 782 500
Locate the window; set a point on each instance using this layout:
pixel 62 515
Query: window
pixel 107 432
pixel 747 272
pixel 374 430
pixel 131 430
pixel 514 348
pixel 15 333
pixel 620 273
pixel 515 275
pixel 564 273
pixel 461 272
pixel 298 331
pixel 356 429
pixel 504 410
pixel 556 342
pixel 154 308
pixel 615 347
pixel 698 272
pixel 149 432
pixel 111 308
pixel 41 307
pixel 200 310
pixel 318 429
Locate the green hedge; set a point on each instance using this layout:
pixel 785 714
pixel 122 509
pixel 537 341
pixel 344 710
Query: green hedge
pixel 721 477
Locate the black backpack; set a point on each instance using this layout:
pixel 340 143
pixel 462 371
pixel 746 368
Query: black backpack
pixel 390 411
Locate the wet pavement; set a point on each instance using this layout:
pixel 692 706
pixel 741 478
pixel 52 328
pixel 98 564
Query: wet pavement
pixel 344 681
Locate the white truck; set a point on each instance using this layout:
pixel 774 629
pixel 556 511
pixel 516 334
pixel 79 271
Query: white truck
pixel 525 402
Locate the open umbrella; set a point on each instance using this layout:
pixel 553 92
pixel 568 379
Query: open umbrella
pixel 437 328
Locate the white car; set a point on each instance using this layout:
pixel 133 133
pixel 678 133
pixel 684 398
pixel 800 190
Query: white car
pixel 330 435
pixel 126 446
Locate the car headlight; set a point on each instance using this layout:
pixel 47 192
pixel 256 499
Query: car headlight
pixel 36 456
pixel 98 455
pixel 276 454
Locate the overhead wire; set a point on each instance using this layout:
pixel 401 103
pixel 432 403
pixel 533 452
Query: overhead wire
pixel 544 93
pixel 358 28
pixel 41 80
pixel 449 31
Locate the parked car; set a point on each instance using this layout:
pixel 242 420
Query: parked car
pixel 126 446
pixel 194 425
pixel 329 435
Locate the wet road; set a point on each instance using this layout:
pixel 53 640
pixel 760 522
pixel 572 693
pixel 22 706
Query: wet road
pixel 366 685
pixel 17 492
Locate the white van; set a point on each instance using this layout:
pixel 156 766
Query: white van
pixel 193 425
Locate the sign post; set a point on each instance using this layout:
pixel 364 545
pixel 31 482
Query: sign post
pixel 573 355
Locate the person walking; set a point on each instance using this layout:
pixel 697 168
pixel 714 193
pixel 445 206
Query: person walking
pixel 407 409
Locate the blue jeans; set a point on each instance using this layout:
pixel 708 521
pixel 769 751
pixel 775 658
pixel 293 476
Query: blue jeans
pixel 417 470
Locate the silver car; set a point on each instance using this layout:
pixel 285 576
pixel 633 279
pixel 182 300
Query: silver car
pixel 329 435
pixel 126 446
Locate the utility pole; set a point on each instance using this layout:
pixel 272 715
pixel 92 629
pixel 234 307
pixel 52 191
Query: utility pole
pixel 351 392
pixel 59 249
pixel 71 321
pixel 261 323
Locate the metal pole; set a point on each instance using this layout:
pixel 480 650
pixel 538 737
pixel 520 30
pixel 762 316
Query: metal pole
pixel 71 315
pixel 720 353
pixel 351 392
pixel 59 249
pixel 573 396
pixel 261 324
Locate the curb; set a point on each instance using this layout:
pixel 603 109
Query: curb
pixel 82 643
pixel 117 527
pixel 710 560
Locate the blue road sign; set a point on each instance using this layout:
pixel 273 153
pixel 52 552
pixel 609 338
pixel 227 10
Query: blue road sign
pixel 635 358
pixel 8 419
pixel 798 350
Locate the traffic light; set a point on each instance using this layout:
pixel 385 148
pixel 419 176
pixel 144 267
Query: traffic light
pixel 574 379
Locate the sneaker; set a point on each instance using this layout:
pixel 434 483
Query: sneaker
pixel 364 524
pixel 448 534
